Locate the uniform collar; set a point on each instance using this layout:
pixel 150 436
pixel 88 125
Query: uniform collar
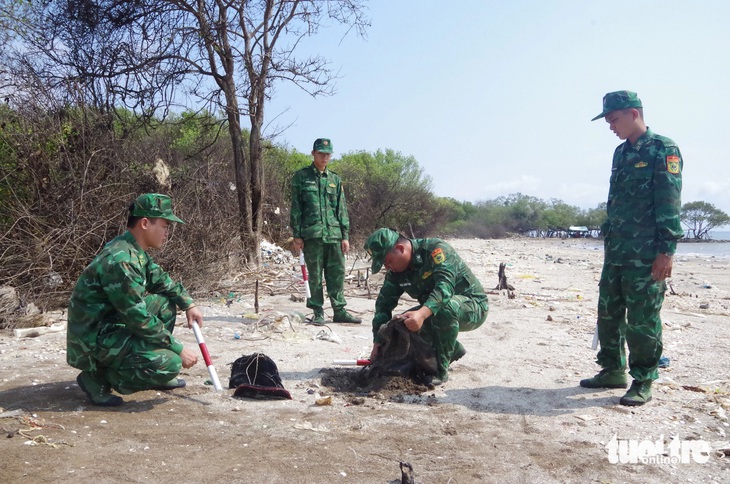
pixel 643 139
pixel 128 237
pixel 317 172
pixel 416 257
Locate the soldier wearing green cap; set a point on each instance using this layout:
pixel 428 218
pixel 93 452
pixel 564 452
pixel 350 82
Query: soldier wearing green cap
pixel 122 312
pixel 321 227
pixel 451 299
pixel 641 234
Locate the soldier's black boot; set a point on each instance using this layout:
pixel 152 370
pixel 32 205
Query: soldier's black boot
pixel 606 379
pixel 342 316
pixel 459 352
pixel 318 318
pixel 99 392
pixel 638 394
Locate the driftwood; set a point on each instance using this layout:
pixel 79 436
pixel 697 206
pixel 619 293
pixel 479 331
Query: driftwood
pixel 503 284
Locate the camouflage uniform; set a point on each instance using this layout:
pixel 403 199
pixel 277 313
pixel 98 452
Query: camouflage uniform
pixel 121 317
pixel 643 221
pixel 440 280
pixel 319 217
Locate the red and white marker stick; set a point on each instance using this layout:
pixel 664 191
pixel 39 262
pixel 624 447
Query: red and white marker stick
pixel 363 362
pixel 206 357
pixel 304 274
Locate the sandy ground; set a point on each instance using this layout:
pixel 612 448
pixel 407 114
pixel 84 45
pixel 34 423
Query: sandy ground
pixel 512 410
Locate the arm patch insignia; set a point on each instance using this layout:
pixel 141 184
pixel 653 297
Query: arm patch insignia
pixel 673 164
pixel 438 255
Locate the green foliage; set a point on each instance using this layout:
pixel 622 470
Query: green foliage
pixel 386 189
pixel 701 217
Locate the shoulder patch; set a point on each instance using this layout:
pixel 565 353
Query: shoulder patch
pixel 438 255
pixel 673 164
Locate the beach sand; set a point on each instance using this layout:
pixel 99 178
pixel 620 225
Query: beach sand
pixel 512 410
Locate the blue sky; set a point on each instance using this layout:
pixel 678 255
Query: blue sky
pixel 496 97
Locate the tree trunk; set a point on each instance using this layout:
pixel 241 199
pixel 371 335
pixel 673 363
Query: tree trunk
pixel 257 166
pixel 243 175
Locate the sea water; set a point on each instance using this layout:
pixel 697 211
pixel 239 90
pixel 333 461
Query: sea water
pixel 713 248
pixel 707 249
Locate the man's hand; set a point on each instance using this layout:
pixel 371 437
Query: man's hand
pixel 374 352
pixel 345 246
pixel 189 358
pixel 298 245
pixel 194 314
pixel 414 319
pixel 662 267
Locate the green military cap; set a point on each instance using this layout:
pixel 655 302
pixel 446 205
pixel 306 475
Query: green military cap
pixel 323 145
pixel 154 205
pixel 378 245
pixel 614 101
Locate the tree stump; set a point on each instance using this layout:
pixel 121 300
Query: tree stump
pixel 503 284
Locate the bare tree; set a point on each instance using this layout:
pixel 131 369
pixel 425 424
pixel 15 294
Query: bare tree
pixel 245 47
pixel 148 55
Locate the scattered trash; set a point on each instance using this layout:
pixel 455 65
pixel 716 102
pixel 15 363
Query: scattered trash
pixel 705 306
pixel 692 388
pixel 664 362
pixel 309 426
pixel 274 253
pixel 322 401
pixel 328 335
pixel 34 332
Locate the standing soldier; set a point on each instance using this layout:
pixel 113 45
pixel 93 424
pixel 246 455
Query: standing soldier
pixel 641 235
pixel 122 312
pixel 321 227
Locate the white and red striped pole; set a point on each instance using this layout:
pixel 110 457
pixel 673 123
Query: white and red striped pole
pixel 358 362
pixel 308 292
pixel 206 357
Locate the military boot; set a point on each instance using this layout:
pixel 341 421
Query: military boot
pixel 342 316
pixel 99 392
pixel 171 385
pixel 606 379
pixel 318 318
pixel 432 381
pixel 638 394
pixel 459 352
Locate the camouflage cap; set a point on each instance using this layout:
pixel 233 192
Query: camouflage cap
pixel 614 101
pixel 154 205
pixel 323 145
pixel 378 245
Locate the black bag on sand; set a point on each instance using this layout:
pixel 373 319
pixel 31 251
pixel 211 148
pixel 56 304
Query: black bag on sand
pixel 256 376
pixel 403 354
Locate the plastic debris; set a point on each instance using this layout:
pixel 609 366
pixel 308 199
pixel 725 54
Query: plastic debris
pixel 327 335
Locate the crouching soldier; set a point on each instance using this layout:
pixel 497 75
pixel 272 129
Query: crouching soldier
pixel 122 312
pixel 451 298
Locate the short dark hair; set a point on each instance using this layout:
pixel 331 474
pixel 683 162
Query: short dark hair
pixel 131 219
pixel 640 111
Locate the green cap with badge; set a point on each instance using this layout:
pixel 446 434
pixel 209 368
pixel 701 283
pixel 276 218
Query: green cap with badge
pixel 378 245
pixel 613 101
pixel 323 145
pixel 154 205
